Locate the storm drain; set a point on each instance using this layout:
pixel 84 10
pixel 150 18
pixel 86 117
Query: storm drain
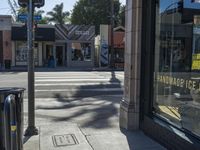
pixel 64 140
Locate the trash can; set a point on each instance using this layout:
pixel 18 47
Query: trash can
pixel 11 118
pixel 7 64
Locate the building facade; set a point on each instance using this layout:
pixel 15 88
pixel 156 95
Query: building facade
pixel 54 45
pixel 5 40
pixel 161 91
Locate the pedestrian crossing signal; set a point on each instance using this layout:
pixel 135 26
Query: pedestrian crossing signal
pixel 36 3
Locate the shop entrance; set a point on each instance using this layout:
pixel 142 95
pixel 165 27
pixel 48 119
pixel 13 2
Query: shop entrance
pixel 60 56
pixel 49 56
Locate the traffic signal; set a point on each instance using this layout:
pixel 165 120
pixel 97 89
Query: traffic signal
pixel 36 3
pixel 180 6
pixel 23 3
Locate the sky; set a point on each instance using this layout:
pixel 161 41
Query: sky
pixel 68 5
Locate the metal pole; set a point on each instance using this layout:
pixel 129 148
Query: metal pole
pixel 112 38
pixel 31 130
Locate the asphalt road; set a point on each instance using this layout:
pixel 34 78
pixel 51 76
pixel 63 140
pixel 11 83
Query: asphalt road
pixel 67 84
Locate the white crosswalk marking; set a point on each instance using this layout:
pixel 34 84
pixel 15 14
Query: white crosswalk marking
pixel 77 84
pixel 63 80
pixel 72 90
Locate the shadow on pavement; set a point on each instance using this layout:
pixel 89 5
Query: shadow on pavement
pixel 95 111
pixel 137 140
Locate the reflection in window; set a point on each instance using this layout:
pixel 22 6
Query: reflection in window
pixel 177 64
pixel 81 52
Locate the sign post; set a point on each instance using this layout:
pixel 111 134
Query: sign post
pixel 30 4
pixel 112 22
pixel 31 130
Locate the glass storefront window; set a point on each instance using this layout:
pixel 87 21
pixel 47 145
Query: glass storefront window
pixel 81 52
pixel 177 63
pixel 21 53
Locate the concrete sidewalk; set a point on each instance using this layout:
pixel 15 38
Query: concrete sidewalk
pixel 87 123
pixel 69 136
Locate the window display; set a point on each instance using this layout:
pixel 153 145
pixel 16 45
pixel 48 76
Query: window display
pixel 81 52
pixel 177 64
pixel 22 53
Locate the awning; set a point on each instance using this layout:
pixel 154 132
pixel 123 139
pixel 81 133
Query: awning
pixel 42 34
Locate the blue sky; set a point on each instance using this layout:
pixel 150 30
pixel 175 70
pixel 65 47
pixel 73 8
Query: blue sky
pixel 68 5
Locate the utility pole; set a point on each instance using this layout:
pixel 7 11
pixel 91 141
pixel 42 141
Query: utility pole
pixel 112 24
pixel 31 130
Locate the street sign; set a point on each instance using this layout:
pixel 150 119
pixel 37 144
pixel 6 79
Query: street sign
pixel 23 17
pixel 37 17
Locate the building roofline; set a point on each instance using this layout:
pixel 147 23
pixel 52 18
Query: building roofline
pixel 39 25
pixel 5 16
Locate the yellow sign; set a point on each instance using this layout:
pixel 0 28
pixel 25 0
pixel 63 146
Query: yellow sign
pixel 13 128
pixel 196 62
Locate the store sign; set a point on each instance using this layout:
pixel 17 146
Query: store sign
pixel 82 32
pixel 182 82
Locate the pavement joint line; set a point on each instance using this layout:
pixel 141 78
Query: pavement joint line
pixel 86 138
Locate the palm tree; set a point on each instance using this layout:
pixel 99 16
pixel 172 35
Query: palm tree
pixel 57 15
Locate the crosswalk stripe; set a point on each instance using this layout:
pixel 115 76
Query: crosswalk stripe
pixel 73 77
pixel 77 84
pixel 69 98
pixel 75 90
pixel 63 80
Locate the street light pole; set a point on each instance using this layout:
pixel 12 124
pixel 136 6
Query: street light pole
pixel 31 130
pixel 112 23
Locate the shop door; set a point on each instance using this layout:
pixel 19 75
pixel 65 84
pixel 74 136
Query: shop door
pixel 59 56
